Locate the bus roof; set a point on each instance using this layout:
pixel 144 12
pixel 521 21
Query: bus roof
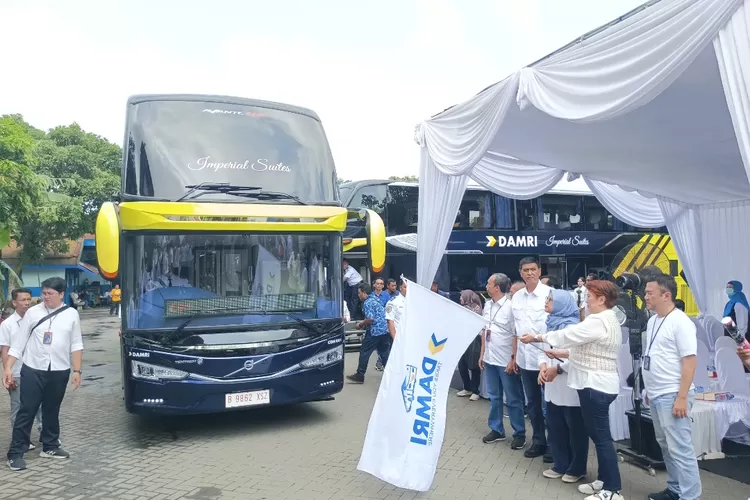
pixel 577 187
pixel 222 99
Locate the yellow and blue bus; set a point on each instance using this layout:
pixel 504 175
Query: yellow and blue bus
pixel 227 244
pixel 568 229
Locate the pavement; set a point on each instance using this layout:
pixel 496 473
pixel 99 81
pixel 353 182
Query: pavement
pixel 308 451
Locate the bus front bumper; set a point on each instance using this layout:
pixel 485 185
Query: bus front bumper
pixel 189 396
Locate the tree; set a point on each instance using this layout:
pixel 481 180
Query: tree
pixel 404 178
pixel 52 184
pixel 342 181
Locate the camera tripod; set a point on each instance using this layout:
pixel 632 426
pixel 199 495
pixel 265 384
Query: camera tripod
pixel 633 454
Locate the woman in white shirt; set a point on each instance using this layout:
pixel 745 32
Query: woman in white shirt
pixel 566 432
pixel 593 346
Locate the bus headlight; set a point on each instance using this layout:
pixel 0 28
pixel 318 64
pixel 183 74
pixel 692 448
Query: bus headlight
pixel 324 358
pixel 155 373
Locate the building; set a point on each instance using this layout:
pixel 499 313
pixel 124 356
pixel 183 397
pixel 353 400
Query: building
pixel 77 265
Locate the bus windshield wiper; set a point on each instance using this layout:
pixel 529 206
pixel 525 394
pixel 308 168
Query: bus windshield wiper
pixel 267 195
pixel 174 336
pixel 220 187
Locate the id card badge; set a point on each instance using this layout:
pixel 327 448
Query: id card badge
pixel 47 339
pixel 647 363
pixel 487 334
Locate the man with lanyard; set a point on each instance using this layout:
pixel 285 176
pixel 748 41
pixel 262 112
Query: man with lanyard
pixel 671 341
pixel 497 361
pixel 21 300
pixel 394 311
pixel 376 335
pixel 48 338
pixel 529 316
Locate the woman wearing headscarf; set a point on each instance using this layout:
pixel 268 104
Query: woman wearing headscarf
pixel 737 307
pixel 566 432
pixel 468 365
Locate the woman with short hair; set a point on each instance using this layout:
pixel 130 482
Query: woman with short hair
pixel 592 347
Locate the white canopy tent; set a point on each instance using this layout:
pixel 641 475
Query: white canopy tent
pixel 652 110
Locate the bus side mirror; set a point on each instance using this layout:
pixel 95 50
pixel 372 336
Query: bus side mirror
pixel 376 238
pixel 108 241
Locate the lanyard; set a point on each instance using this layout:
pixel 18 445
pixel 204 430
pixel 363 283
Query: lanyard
pixel 52 319
pixel 653 337
pixel 492 321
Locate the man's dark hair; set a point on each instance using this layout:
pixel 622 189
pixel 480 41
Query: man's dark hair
pixel 666 283
pixel 593 276
pixel 345 260
pixel 390 280
pixel 16 291
pixel 528 260
pixel 56 284
pixel 680 304
pixel 364 288
pixel 552 282
pixel 378 278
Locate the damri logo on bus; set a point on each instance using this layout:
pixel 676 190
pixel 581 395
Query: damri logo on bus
pixel 259 165
pixel 422 429
pixel 527 241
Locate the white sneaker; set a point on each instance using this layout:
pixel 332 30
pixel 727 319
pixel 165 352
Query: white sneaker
pixel 567 478
pixel 463 393
pixel 605 495
pixel 591 488
pixel 474 397
pixel 551 474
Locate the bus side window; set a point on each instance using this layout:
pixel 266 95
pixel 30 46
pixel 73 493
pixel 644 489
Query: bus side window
pixel 527 216
pixel 402 212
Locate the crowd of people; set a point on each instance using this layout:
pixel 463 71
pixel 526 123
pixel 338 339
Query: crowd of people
pixel 551 355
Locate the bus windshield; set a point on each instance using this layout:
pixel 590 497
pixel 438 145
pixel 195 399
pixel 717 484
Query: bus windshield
pixel 219 279
pixel 175 144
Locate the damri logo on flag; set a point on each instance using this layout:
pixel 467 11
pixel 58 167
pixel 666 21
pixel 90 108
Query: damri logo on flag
pixel 406 428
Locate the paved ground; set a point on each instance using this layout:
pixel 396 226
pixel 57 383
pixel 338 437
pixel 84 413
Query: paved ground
pixel 303 452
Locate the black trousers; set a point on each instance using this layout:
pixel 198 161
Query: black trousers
pixel 114 308
pixel 380 343
pixel 469 376
pixel 45 388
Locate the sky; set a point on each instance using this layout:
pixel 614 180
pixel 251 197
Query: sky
pixel 371 73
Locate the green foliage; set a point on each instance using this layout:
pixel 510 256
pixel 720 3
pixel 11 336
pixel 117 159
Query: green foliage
pixel 52 184
pixel 404 178
pixel 342 181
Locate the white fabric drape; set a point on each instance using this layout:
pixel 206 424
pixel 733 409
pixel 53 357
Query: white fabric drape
pixel 732 46
pixel 628 206
pixel 440 196
pixel 626 65
pixel 514 178
pixel 685 228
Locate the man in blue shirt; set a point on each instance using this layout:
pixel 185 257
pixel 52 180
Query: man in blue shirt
pixel 378 292
pixel 376 332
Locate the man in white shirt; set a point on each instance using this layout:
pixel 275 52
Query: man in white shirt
pixel 48 338
pixel 351 295
pixel 497 362
pixel 21 300
pixel 529 316
pixel 671 342
pixel 394 311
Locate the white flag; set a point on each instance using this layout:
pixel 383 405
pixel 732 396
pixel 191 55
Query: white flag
pixel 407 424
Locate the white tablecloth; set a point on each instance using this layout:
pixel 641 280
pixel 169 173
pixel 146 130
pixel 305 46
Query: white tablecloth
pixel 618 421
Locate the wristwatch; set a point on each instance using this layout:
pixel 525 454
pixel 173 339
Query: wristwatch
pixel 512 356
pixel 79 372
pixel 559 370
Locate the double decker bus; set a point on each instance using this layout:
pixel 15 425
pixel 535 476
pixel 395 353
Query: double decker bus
pixel 570 231
pixel 227 243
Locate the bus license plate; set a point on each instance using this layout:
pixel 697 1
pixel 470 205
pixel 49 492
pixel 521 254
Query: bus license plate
pixel 252 398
